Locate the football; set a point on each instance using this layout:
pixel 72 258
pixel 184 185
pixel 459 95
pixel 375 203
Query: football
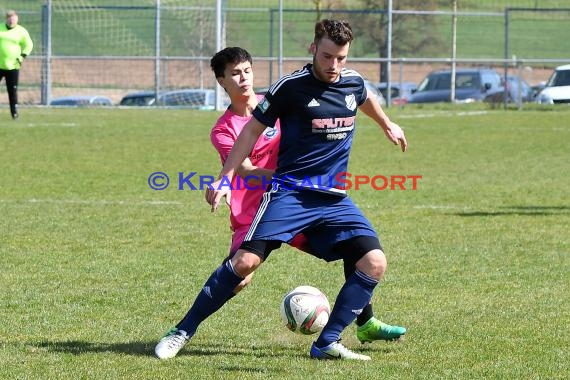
pixel 305 310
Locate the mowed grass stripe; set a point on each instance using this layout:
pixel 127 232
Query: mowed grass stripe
pixel 96 265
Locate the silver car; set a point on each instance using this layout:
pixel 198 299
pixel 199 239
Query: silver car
pixel 201 99
pixel 81 101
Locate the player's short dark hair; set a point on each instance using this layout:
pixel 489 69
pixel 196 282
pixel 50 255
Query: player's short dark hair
pixel 233 55
pixel 338 31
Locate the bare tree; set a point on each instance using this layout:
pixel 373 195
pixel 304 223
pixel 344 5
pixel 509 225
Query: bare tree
pixel 322 6
pixel 412 35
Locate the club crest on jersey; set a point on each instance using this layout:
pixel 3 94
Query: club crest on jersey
pixel 269 133
pixel 263 105
pixel 350 102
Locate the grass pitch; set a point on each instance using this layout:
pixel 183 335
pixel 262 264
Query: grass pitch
pixel 96 265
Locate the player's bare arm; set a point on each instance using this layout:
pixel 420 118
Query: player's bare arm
pixel 393 132
pixel 254 174
pixel 244 144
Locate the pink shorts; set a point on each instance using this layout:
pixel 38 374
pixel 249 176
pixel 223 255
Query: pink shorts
pixel 237 239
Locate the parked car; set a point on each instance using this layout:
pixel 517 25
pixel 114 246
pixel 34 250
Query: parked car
pixel 471 85
pixel 400 92
pixel 202 99
pixel 537 88
pixel 513 83
pixel 194 98
pixel 262 90
pixel 557 89
pixel 371 88
pixel 81 101
pixel 140 99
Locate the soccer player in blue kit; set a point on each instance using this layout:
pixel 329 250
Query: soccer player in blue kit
pixel 317 108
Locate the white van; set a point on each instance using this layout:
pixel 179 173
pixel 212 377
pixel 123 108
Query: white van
pixel 557 90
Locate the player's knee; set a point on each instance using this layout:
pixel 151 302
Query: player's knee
pixel 373 264
pixel 240 287
pixel 244 263
pixel 245 282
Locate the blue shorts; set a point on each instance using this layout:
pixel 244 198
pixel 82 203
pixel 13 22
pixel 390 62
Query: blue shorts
pixel 325 219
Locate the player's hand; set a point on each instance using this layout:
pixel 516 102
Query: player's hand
pixel 215 192
pixel 396 135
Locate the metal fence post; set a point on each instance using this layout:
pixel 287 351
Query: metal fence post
pixel 157 54
pixel 519 85
pixel 389 57
pixel 506 64
pixel 46 64
pixel 453 50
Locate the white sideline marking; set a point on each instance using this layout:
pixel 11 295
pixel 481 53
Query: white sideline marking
pixel 443 113
pixel 418 207
pixel 95 202
pixel 50 125
pixel 99 202
pixel 439 207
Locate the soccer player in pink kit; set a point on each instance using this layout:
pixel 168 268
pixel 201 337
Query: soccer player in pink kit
pixel 232 67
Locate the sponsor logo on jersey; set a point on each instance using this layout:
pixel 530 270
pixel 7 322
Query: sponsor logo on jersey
pixel 333 128
pixel 333 124
pixel 313 103
pixel 350 102
pixel 259 156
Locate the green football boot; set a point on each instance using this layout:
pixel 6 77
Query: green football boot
pixel 377 330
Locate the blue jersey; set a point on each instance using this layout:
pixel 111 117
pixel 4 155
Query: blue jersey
pixel 317 126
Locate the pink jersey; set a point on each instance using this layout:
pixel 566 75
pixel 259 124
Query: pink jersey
pixel 244 202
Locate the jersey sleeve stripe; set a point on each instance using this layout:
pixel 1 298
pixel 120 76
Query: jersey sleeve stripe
pixel 350 73
pixel 280 82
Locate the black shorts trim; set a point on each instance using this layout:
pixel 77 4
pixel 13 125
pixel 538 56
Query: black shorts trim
pixel 354 249
pixel 261 248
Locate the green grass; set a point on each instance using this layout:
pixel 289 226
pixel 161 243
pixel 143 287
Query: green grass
pixel 96 265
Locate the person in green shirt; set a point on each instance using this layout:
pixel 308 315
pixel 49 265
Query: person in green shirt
pixel 15 45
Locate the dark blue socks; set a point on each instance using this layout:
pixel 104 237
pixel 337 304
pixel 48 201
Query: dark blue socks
pixel 352 298
pixel 216 291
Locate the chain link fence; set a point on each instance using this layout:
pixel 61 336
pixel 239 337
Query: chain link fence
pixel 115 47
